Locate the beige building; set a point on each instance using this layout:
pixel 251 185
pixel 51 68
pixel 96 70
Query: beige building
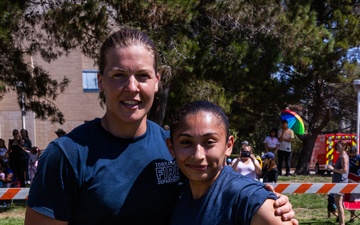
pixel 79 103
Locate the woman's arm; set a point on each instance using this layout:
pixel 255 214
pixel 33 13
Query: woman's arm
pixel 282 206
pixel 34 218
pixel 234 165
pixel 256 163
pixel 266 215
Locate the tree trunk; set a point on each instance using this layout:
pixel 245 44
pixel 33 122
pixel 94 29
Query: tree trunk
pixel 302 167
pixel 157 112
pixel 158 109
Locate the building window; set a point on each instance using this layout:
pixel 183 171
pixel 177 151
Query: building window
pixel 90 82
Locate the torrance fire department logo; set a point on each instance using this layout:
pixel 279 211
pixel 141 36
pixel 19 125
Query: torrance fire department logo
pixel 167 172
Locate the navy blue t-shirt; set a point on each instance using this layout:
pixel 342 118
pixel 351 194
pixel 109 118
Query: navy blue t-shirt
pixel 92 177
pixel 231 199
pixel 354 165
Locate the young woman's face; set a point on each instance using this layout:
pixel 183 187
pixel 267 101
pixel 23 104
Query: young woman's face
pixel 340 147
pixel 22 133
pixel 15 134
pixel 200 146
pixel 284 126
pixel 129 83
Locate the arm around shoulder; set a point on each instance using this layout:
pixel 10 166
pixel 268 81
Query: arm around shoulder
pixel 34 218
pixel 266 215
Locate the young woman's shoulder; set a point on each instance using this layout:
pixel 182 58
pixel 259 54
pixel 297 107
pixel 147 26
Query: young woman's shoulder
pixel 235 182
pixel 157 129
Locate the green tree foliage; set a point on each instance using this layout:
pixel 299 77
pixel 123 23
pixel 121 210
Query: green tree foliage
pixel 319 72
pixel 253 58
pixel 49 29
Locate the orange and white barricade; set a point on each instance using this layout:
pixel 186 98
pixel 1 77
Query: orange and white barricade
pixel 316 188
pixel 14 193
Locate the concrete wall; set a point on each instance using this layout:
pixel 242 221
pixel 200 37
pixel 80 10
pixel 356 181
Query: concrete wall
pixel 76 105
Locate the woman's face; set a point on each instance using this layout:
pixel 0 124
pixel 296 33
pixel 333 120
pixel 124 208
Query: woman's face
pixel 23 133
pixel 200 147
pixel 340 147
pixel 16 134
pixel 129 83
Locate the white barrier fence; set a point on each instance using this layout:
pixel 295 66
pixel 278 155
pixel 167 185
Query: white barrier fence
pixel 285 188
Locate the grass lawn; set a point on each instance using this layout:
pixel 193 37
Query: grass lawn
pixel 14 215
pixel 310 208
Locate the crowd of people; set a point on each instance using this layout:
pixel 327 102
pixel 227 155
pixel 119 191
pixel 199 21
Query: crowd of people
pixel 18 161
pixel 266 168
pixel 262 168
pixel 279 143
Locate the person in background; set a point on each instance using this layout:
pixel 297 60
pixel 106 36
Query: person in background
pixel 4 153
pixel 354 163
pixel 7 179
pixel 271 142
pixel 33 160
pixel 114 169
pixel 27 146
pixel 25 136
pixel 270 172
pixel 331 206
pixel 285 136
pixel 229 162
pixel 246 163
pixel 215 195
pixel 354 168
pixel 17 157
pixel 60 132
pixel 244 143
pixel 340 175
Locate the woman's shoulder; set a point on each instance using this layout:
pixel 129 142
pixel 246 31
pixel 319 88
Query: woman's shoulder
pixel 232 177
pixel 155 128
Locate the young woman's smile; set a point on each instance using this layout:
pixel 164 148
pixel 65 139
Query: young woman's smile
pixel 200 146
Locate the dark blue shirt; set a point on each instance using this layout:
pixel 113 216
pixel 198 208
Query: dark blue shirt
pixel 231 199
pixel 92 177
pixel 354 165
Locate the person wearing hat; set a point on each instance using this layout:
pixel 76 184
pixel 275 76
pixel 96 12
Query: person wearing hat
pixel 270 171
pixel 60 132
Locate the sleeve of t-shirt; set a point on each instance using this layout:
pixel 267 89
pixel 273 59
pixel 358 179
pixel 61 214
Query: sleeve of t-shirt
pixel 53 189
pixel 251 199
pixel 265 141
pixel 292 134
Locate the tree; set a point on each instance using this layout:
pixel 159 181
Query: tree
pixel 320 73
pixel 253 58
pixel 50 29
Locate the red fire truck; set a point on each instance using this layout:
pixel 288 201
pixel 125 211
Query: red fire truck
pixel 324 151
